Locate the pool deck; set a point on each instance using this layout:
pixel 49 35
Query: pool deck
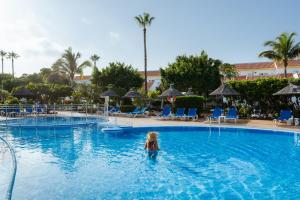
pixel 264 124
pixel 154 121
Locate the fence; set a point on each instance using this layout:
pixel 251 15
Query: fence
pixel 37 109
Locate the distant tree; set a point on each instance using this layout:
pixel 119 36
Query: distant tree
pixel 228 71
pixel 2 54
pixel 9 83
pixel 12 55
pixel 45 72
pixel 56 77
pixel 96 76
pixel 48 92
pixel 69 65
pixel 144 21
pixel 119 75
pixel 283 49
pixel 31 78
pixel 199 72
pixel 95 58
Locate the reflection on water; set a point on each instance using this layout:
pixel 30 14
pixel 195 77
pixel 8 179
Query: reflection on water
pixel 68 145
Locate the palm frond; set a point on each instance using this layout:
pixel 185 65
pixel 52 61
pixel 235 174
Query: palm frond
pixel 270 54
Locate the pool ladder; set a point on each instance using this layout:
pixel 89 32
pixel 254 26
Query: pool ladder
pixel 14 170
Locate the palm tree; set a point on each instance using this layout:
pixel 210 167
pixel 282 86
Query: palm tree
pixel 144 21
pixel 283 49
pixel 68 64
pixel 95 58
pixel 12 55
pixel 2 54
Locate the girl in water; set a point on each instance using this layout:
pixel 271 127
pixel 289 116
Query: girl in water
pixel 151 144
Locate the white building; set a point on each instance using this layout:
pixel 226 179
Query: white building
pixel 246 71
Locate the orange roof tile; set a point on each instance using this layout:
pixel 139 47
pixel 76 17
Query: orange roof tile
pixel 263 65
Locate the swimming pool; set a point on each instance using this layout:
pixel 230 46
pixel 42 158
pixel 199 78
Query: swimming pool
pixel 193 163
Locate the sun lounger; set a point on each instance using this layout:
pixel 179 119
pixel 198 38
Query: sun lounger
pixel 192 114
pixel 179 113
pixel 114 110
pixel 139 112
pixel 216 114
pixel 38 110
pixel 285 115
pixel 232 114
pixel 166 113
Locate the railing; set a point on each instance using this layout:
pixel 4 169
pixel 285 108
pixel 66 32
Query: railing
pixel 36 109
pixel 7 150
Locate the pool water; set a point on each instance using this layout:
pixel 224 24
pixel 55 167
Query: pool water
pixel 52 121
pixel 196 163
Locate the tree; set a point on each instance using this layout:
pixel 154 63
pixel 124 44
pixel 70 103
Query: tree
pixel 31 78
pixel 9 83
pixel 12 55
pixel 144 21
pixel 199 72
pixel 120 75
pixel 228 71
pixel 69 65
pixel 283 49
pixel 2 54
pixel 95 58
pixel 44 73
pixel 56 77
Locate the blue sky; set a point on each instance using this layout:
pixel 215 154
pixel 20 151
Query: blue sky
pixel 230 30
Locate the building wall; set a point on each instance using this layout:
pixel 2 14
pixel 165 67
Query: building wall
pixel 271 71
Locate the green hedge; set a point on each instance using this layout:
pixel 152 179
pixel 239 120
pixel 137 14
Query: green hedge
pixel 190 102
pixel 262 90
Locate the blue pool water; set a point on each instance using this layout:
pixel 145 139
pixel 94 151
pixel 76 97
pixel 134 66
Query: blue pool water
pixel 193 163
pixel 52 121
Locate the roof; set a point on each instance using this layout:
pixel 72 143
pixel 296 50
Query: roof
pixel 82 78
pixel 264 65
pixel 151 73
pixel 244 77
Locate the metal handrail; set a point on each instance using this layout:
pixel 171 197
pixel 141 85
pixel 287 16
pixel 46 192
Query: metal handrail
pixel 14 162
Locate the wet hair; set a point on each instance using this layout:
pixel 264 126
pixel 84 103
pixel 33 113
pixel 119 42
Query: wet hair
pixel 152 136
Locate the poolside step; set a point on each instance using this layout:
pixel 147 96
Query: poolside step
pixel 116 129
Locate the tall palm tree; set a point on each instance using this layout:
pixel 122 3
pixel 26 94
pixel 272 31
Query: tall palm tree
pixel 144 21
pixel 12 55
pixel 2 54
pixel 283 49
pixel 69 65
pixel 95 58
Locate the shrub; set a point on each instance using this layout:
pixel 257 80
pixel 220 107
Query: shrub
pixel 3 94
pixel 127 108
pixel 11 100
pixel 262 90
pixel 190 102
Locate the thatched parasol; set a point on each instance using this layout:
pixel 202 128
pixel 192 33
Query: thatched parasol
pixel 132 93
pixel 224 90
pixel 23 93
pixel 171 92
pixel 109 93
pixel 290 89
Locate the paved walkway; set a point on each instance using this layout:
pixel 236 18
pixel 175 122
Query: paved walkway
pixel 152 121
pixel 156 122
